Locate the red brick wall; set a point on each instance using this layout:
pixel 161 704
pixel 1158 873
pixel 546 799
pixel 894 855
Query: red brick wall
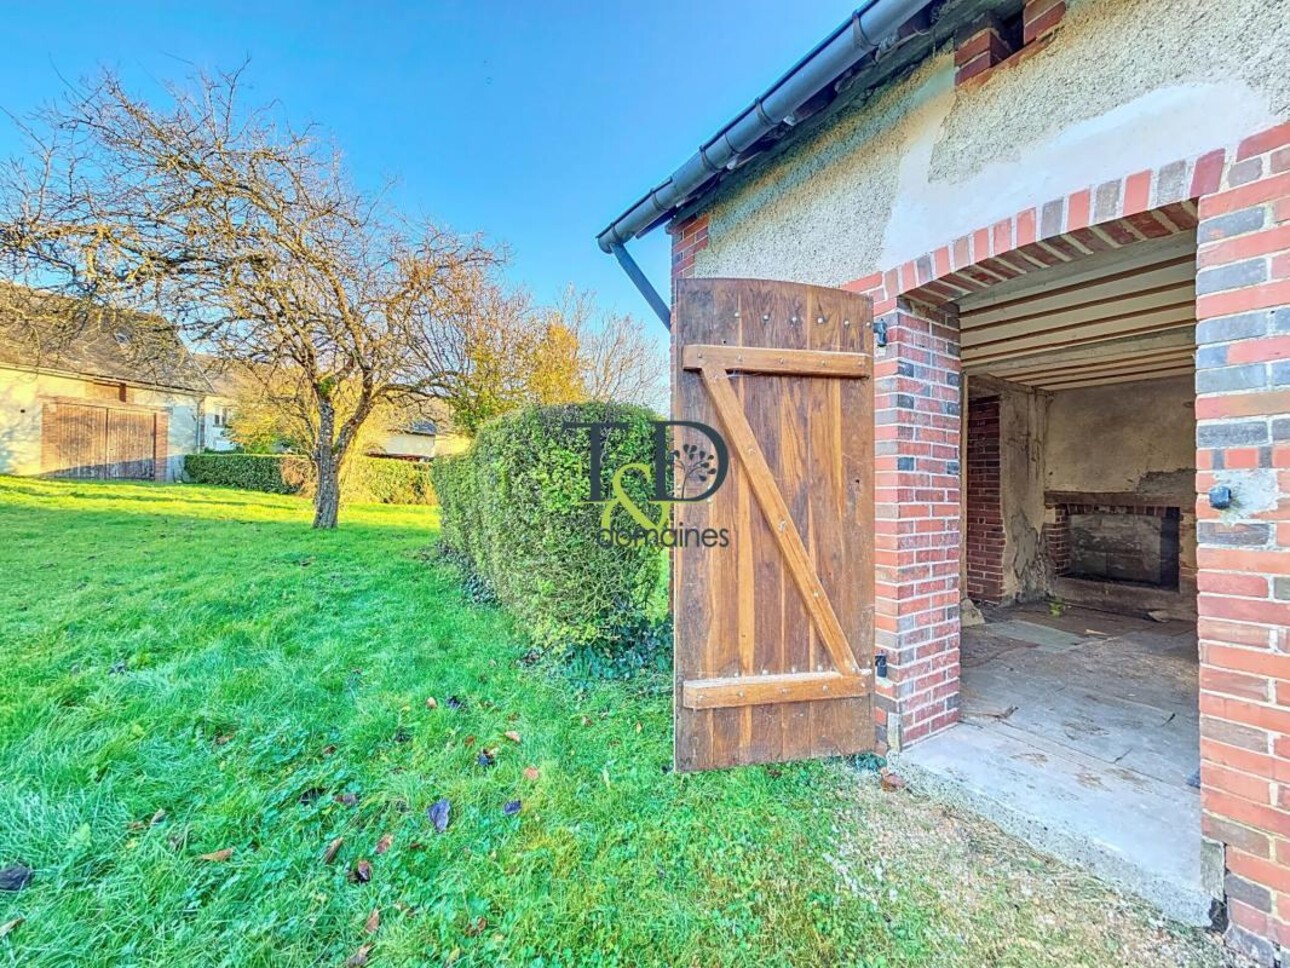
pixel 688 238
pixel 1243 441
pixel 984 506
pixel 1057 538
pixel 917 522
pixel 161 448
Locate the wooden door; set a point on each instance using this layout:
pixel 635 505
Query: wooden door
pixel 131 437
pixel 88 441
pixel 774 632
pixel 73 442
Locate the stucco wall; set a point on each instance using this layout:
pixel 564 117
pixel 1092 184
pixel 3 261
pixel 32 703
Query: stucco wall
pixel 1125 85
pixel 1127 437
pixel 20 413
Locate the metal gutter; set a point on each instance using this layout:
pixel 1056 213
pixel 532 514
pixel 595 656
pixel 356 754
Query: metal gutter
pixel 853 39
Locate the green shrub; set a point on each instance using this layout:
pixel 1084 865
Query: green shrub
pixel 516 509
pixel 381 480
pixel 272 473
pixel 365 480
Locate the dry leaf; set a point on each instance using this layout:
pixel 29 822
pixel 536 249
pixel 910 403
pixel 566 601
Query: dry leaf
pixel 431 703
pixel 157 817
pixel 332 850
pixel 469 740
pixel 329 749
pixel 384 843
pixel 531 773
pixel 219 856
pixel 373 921
pixel 512 735
pixel 223 738
pixel 362 872
pixel 638 727
pixel 359 958
pixel 477 926
pixel 10 925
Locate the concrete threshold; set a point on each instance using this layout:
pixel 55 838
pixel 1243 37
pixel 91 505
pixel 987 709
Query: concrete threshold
pixel 1139 833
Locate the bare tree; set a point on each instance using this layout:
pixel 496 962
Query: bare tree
pixel 246 234
pixel 615 359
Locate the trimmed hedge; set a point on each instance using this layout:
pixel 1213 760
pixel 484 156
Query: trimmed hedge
pixel 365 480
pixel 272 473
pixel 380 480
pixel 516 509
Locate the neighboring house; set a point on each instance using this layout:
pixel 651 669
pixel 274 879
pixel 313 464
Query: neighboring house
pixel 220 406
pixel 420 439
pixel 422 436
pixel 86 407
pixel 1071 226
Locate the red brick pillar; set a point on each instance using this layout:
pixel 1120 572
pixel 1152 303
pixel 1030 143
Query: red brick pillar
pixel 161 448
pixel 984 503
pixel 917 522
pixel 1243 443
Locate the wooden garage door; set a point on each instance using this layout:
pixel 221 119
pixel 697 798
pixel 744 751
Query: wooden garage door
pixel 95 442
pixel 774 632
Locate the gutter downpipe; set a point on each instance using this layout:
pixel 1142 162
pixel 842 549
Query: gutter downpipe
pixel 851 40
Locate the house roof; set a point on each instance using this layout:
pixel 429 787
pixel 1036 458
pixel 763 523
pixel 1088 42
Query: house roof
pixel 47 332
pixel 420 428
pixel 937 22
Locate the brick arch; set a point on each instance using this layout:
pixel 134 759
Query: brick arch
pixel 1149 204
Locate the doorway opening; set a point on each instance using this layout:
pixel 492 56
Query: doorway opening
pixel 1078 654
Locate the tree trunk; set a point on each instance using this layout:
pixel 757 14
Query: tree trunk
pixel 327 466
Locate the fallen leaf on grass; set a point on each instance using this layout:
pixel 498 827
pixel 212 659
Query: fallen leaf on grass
pixel 10 925
pixel 512 735
pixel 157 817
pixel 329 749
pixel 373 923
pixel 362 872
pixel 218 856
pixel 531 773
pixel 469 740
pixel 384 843
pixel 332 850
pixel 224 738
pixel 512 808
pixel 440 813
pixel 477 926
pixel 359 958
pixel 431 703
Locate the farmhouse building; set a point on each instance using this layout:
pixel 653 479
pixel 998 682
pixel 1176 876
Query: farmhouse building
pixel 1071 221
pixel 78 399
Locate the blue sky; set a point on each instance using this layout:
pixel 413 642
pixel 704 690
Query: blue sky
pixel 532 122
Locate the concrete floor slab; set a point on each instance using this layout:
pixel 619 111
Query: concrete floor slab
pixel 1080 738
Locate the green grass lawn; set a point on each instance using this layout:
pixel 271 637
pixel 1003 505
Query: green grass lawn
pixel 202 652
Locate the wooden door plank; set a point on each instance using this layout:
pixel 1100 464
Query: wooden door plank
pixel 734 423
pixel 779 360
pixel 764 690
